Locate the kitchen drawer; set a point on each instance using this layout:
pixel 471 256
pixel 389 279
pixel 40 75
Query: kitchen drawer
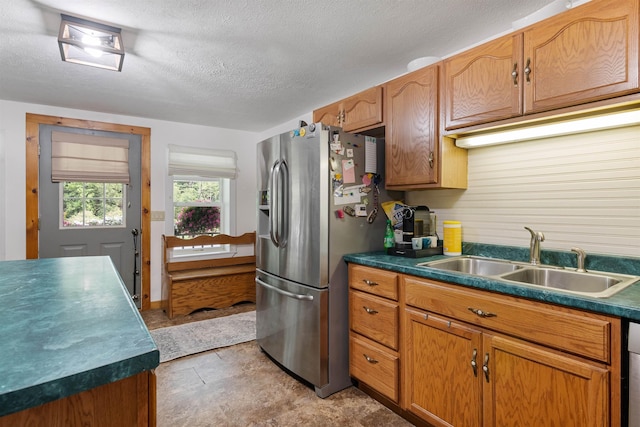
pixel 374 317
pixel 374 366
pixel 575 331
pixel 374 281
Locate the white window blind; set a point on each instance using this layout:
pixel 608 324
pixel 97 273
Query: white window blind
pixel 88 158
pixel 202 162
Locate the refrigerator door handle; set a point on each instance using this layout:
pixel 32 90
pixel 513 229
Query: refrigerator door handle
pixel 274 200
pixel 283 215
pixel 285 293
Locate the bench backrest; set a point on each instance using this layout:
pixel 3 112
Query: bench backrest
pixel 171 242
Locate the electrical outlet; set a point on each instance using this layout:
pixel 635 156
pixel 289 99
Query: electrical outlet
pixel 157 215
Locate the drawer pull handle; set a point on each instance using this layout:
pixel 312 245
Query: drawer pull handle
pixel 481 313
pixel 474 364
pixel 369 310
pixel 370 359
pixel 527 70
pixel 485 367
pixel 369 282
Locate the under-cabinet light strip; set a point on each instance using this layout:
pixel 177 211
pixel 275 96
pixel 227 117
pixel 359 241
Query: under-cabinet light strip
pixel 552 129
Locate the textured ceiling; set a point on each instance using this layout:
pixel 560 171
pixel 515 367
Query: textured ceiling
pixel 239 64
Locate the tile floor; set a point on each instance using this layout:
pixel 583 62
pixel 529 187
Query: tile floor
pixel 241 386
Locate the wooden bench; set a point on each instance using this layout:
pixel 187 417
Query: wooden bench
pixel 210 283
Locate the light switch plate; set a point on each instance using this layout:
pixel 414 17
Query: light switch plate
pixel 157 215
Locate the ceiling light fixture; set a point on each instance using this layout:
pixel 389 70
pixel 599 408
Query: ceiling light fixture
pixel 90 43
pixel 567 127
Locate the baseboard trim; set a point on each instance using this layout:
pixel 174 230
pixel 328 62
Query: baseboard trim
pixel 155 305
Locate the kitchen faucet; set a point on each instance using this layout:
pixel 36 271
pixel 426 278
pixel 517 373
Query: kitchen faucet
pixel 534 247
pixel 582 254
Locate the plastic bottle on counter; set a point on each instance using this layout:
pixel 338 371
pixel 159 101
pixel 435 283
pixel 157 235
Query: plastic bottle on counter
pixel 389 236
pixel 452 241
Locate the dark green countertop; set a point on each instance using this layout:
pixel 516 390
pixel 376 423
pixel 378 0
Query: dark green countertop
pixel 66 325
pixel 625 304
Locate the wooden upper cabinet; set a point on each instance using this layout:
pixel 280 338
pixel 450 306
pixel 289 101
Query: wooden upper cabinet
pixel 411 133
pixel 417 157
pixel 363 111
pixel 585 54
pixel 483 84
pixel 358 112
pixel 329 115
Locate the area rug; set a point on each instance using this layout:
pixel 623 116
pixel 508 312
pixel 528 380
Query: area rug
pixel 204 335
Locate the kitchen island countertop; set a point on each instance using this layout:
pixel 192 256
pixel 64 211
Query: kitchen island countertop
pixel 66 325
pixel 624 304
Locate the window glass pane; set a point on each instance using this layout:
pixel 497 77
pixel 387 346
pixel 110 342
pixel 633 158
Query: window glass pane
pixel 73 213
pixel 113 212
pixel 114 190
pixel 191 221
pixel 189 191
pixel 197 207
pixel 92 204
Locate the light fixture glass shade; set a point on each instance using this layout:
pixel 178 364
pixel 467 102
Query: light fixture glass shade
pixel 566 127
pixel 90 43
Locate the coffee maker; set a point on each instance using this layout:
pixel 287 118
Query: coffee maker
pixel 418 221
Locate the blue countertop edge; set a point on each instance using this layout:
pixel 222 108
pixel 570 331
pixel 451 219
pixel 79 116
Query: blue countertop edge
pixel 39 394
pixel 624 304
pixel 139 354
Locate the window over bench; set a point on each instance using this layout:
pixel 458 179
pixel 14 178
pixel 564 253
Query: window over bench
pixel 203 182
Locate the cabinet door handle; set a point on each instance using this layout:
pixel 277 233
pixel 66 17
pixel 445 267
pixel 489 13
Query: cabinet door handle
pixel 370 282
pixel 485 367
pixel 474 364
pixel 369 310
pixel 514 74
pixel 527 70
pixel 481 313
pixel 431 159
pixel 370 359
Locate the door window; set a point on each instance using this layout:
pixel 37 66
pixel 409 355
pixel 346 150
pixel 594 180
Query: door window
pixel 92 205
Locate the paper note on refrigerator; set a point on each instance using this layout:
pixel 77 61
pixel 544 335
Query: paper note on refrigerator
pixel 370 156
pixel 348 171
pixel 350 195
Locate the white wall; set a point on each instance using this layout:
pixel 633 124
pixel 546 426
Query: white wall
pixel 3 181
pixel 12 172
pixel 581 190
pixel 286 127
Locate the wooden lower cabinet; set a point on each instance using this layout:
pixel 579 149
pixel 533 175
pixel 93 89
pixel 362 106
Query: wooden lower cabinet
pixel 130 402
pixel 487 373
pixel 527 385
pixel 459 375
pixel 440 385
pixel 472 358
pixel 374 365
pixel 374 315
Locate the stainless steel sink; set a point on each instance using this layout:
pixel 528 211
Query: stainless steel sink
pixel 474 265
pixel 597 284
pixel 591 283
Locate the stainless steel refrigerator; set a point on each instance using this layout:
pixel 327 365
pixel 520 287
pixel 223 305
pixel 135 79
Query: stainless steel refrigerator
pixel 317 194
